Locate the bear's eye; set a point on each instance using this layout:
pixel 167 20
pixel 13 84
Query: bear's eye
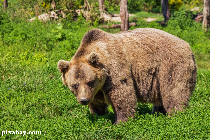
pixel 75 86
pixel 91 83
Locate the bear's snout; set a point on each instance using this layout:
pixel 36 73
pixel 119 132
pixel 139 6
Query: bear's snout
pixel 84 101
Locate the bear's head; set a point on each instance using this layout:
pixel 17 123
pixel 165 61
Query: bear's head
pixel 84 77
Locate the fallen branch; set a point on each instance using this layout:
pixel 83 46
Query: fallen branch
pixel 118 25
pixel 199 18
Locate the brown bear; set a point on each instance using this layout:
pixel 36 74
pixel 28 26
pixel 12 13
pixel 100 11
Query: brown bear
pixel 141 65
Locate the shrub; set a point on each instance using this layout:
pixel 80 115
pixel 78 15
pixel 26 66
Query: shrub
pixel 175 4
pixel 183 19
pixel 112 6
pixel 146 5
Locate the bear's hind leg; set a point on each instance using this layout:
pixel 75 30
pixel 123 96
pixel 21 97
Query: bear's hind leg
pixel 159 109
pixel 176 84
pixel 177 100
pixel 172 105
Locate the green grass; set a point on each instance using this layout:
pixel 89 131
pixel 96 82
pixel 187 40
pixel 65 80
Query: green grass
pixel 33 98
pixel 143 14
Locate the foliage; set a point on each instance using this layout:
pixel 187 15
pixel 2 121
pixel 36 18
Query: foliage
pixel 111 6
pixel 133 5
pixel 60 4
pixel 141 5
pixel 193 2
pixel 182 25
pixel 144 5
pixel 183 19
pixel 36 36
pixel 175 4
pixel 189 4
pixel 30 8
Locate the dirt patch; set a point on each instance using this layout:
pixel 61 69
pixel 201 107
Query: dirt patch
pixel 150 19
pixel 116 18
pixel 113 17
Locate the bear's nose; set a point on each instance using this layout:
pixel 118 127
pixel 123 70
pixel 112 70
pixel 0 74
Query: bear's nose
pixel 84 101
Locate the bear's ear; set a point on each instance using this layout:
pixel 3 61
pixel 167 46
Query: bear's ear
pixel 93 59
pixel 63 66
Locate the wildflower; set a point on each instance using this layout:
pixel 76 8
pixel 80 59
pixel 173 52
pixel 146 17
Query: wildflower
pixel 43 4
pixel 172 2
pixel 32 13
pixel 24 83
pixel 47 6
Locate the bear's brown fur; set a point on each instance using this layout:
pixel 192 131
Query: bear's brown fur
pixel 146 65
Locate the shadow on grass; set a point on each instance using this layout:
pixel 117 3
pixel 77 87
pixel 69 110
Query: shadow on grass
pixel 108 116
pixel 142 109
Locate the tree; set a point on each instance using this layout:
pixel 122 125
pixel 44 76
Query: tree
pixel 101 5
pixel 5 4
pixel 53 5
pixel 124 15
pixel 206 14
pixel 165 10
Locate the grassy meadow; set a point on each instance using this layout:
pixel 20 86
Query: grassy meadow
pixel 33 98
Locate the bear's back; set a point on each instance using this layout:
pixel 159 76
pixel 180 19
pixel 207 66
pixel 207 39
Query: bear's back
pixel 144 44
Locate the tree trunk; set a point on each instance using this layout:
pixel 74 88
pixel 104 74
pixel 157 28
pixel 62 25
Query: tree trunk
pixel 165 10
pixel 101 5
pixel 206 14
pixel 53 5
pixel 124 15
pixel 87 5
pixel 5 4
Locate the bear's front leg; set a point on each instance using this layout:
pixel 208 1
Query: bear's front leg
pixel 124 101
pixel 98 105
